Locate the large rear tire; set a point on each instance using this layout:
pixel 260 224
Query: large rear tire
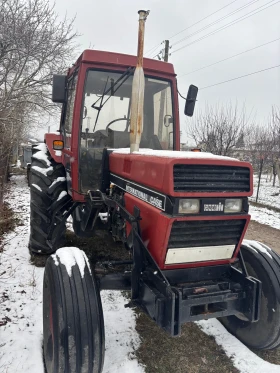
pixel 264 264
pixel 48 193
pixel 73 325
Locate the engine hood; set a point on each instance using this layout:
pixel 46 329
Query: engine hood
pixel 200 174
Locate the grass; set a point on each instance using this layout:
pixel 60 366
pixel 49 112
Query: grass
pixel 192 352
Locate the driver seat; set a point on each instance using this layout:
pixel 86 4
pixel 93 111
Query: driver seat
pixel 118 139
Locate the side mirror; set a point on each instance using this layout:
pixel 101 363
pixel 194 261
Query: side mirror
pixel 190 101
pixel 59 88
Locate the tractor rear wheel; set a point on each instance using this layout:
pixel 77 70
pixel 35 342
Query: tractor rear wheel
pixel 48 193
pixel 264 264
pixel 73 326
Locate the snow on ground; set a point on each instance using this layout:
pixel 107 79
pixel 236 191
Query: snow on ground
pixel 268 194
pixel 265 216
pixel 243 359
pixel 21 305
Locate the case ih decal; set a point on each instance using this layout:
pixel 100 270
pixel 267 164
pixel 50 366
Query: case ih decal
pixel 153 198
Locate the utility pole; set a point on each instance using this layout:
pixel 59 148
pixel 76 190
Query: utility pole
pixel 166 50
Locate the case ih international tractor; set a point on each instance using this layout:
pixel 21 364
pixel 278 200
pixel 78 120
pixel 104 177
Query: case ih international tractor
pixel 115 165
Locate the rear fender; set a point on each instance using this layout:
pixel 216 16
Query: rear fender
pixel 49 139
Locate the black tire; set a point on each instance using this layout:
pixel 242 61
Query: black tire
pixel 79 217
pixel 77 225
pixel 45 201
pixel 73 325
pixel 263 264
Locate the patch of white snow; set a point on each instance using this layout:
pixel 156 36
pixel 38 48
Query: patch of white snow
pixel 59 179
pixel 265 216
pixel 243 359
pixel 21 337
pixel 174 154
pixel 42 156
pixel 121 339
pixel 42 170
pixel 62 194
pixel 68 177
pixel 70 256
pixel 21 291
pixel 256 246
pixel 42 146
pixel 37 187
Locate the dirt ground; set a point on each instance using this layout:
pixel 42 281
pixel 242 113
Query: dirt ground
pixel 264 233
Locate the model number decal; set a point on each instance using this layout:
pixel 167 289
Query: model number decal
pixel 214 207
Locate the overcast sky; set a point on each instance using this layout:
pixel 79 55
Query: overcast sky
pixel 112 26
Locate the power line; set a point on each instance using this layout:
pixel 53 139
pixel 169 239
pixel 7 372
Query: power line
pixel 228 58
pixel 217 21
pixel 156 46
pixel 250 14
pixel 202 19
pixel 239 77
pixel 152 49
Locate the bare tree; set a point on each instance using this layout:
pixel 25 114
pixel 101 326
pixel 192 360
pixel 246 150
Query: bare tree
pixel 34 44
pixel 221 129
pixel 260 146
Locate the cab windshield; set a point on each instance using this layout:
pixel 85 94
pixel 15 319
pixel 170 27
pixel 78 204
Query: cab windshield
pixel 106 112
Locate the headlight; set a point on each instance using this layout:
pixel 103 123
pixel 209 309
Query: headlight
pixel 188 206
pixel 233 205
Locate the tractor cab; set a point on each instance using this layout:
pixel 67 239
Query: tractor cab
pixel 97 95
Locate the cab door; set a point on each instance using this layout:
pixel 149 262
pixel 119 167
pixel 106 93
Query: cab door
pixel 67 128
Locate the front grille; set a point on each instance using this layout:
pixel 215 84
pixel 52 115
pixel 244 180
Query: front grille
pixel 205 233
pixel 209 178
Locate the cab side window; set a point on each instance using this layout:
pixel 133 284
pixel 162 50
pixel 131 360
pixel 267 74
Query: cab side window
pixel 72 84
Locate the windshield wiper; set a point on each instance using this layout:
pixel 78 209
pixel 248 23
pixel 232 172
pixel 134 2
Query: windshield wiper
pixel 118 83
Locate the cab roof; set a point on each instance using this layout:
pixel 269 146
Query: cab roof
pixel 123 60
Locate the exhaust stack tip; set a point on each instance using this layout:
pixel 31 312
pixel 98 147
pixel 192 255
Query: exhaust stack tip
pixel 146 12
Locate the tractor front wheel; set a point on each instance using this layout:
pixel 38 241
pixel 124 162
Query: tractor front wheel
pixel 264 264
pixel 73 326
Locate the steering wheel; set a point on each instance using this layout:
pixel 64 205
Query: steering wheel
pixel 117 120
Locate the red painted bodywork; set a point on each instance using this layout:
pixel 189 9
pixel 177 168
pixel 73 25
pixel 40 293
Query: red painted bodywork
pixel 156 227
pixel 153 172
pixel 49 139
pixel 157 173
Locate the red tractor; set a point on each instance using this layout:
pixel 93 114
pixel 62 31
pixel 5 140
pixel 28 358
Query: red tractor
pixel 181 215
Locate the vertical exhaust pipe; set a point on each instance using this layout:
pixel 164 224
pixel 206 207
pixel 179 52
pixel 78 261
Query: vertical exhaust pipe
pixel 138 87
